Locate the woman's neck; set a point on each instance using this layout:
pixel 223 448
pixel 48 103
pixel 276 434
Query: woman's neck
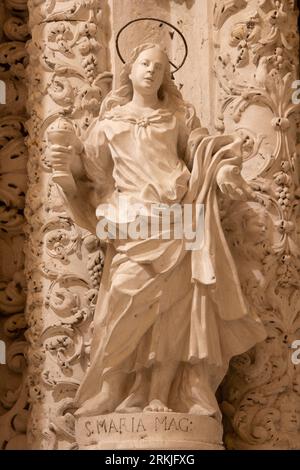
pixel 145 101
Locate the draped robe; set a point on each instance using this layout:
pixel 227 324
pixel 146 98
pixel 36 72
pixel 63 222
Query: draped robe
pixel 158 301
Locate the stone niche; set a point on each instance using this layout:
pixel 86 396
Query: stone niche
pixel 238 66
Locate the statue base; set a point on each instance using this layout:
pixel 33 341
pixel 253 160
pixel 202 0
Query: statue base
pixel 152 431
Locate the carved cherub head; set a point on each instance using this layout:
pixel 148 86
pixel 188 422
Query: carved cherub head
pixel 247 226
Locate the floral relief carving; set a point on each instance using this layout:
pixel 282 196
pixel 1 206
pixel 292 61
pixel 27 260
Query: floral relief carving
pixel 224 9
pixel 16 28
pixel 64 10
pixel 13 185
pixel 260 395
pixel 67 81
pixel 256 65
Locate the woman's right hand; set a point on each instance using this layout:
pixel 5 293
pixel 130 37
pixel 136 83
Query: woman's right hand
pixel 61 157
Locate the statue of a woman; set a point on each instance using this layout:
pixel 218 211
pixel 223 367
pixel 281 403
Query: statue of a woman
pixel 168 319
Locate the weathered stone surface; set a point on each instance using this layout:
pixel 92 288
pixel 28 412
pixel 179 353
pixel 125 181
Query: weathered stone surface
pixel 149 431
pixel 169 316
pixel 256 68
pixel 13 185
pixel 66 78
pixel 240 75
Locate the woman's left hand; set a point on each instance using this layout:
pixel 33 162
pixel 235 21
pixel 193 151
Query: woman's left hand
pixel 232 184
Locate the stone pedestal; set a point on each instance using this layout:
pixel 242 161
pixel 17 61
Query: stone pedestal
pixel 159 431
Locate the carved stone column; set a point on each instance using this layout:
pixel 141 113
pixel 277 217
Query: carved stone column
pixel 67 55
pixel 13 160
pixel 255 47
pixel 256 67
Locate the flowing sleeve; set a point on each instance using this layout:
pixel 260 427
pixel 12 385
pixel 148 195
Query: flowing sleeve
pixel 97 163
pixel 213 265
pixel 189 136
pixel 94 182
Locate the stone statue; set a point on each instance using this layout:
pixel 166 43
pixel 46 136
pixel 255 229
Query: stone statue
pixel 168 318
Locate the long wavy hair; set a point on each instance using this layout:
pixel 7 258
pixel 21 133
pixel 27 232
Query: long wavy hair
pixel 168 93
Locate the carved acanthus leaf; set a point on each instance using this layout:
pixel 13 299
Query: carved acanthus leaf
pixel 224 9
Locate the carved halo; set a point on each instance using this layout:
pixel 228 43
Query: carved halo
pixel 161 23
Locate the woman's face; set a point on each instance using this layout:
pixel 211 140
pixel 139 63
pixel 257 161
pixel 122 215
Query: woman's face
pixel 148 70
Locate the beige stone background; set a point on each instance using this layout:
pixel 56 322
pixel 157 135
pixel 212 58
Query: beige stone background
pixel 59 58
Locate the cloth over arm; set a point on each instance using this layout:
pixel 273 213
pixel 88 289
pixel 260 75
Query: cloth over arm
pixel 95 182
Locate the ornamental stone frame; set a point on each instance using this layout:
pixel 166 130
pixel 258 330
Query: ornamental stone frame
pixel 239 74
